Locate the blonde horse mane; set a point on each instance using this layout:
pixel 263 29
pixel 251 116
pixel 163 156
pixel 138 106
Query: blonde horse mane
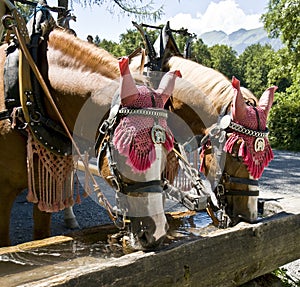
pixel 84 54
pixel 215 87
pixel 78 67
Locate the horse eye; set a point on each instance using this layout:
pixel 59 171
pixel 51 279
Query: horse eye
pixel 250 102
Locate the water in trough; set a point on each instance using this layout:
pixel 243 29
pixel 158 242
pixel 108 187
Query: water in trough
pixel 100 242
pixel 95 245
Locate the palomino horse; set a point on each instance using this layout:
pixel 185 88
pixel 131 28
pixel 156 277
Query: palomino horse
pixel 233 156
pixel 77 72
pixel 135 142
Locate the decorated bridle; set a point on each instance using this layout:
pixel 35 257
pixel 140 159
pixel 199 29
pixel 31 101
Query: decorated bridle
pixel 129 110
pixel 136 123
pixel 243 128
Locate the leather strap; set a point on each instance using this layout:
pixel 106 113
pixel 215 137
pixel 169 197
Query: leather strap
pixel 4 115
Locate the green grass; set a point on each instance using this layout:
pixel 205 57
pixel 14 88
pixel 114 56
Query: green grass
pixel 287 281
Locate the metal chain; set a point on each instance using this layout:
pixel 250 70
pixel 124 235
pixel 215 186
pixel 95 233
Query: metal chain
pixel 241 129
pixel 144 112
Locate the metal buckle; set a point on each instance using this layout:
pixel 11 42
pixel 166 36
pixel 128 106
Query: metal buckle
pixel 188 204
pixel 225 122
pixel 104 127
pixel 8 22
pixel 224 219
pixel 114 182
pixel 220 189
pixel 36 117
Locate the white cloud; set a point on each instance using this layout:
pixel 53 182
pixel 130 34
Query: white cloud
pixel 225 16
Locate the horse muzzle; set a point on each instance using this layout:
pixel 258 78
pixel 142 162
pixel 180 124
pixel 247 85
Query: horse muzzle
pixel 149 232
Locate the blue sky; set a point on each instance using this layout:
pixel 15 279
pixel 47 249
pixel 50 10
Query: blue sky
pixel 198 16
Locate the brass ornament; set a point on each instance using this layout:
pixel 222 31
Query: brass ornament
pixel 259 144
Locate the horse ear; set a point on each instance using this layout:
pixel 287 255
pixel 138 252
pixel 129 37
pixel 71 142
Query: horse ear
pixel 239 105
pixel 127 85
pixel 266 100
pixel 167 83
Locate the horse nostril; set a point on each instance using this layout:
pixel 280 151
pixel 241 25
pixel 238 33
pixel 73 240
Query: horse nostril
pixel 145 236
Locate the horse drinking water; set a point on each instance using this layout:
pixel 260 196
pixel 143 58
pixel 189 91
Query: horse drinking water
pixel 235 147
pixel 235 150
pixel 137 149
pixel 74 72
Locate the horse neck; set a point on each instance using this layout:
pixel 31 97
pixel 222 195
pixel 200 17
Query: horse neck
pixel 203 90
pixel 215 91
pixel 79 73
pixel 71 52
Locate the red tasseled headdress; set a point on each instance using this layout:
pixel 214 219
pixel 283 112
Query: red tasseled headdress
pixel 132 137
pixel 246 116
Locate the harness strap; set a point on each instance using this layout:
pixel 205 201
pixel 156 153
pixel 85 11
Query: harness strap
pixel 239 180
pixel 235 192
pixel 108 123
pixel 4 115
pixel 257 117
pixel 141 186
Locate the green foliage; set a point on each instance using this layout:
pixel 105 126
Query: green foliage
pixel 112 47
pixel 286 280
pixel 223 59
pixel 201 53
pixel 129 42
pixel 254 66
pixel 282 20
pixel 284 120
pixel 282 71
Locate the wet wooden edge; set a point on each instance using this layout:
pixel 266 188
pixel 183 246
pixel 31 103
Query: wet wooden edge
pixel 222 258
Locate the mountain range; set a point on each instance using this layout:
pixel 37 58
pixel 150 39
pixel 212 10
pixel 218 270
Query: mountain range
pixel 240 39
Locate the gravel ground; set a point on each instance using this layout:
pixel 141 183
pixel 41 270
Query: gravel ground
pixel 280 178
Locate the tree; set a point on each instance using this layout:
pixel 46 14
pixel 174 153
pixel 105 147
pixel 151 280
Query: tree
pixel 130 7
pixel 282 71
pixel 200 53
pixel 223 59
pixel 131 41
pixel 282 20
pixel 254 65
pixel 112 47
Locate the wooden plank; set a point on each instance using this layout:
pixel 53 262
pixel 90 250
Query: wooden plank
pixel 222 258
pixel 35 244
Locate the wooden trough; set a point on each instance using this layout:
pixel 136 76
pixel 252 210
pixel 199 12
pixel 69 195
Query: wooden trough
pixel 215 257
